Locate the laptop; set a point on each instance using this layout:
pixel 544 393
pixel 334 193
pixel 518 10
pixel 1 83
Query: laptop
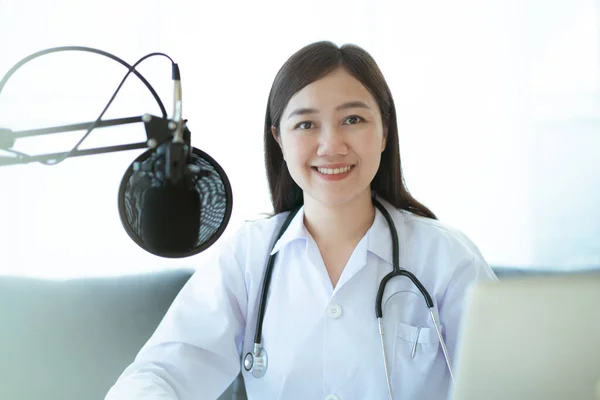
pixel 531 338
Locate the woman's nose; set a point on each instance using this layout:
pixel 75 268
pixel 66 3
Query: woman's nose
pixel 332 142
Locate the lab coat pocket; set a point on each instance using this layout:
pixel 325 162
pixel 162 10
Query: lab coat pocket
pixel 414 353
pixel 417 334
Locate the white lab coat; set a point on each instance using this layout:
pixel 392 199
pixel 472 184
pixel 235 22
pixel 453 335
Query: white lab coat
pixel 322 342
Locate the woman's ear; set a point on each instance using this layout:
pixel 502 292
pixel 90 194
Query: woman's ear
pixel 274 133
pixel 277 139
pixel 384 139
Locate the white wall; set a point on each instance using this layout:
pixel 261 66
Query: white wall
pixel 497 104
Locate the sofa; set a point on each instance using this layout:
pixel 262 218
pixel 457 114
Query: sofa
pixel 71 339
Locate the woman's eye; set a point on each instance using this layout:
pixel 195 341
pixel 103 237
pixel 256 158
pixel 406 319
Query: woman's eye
pixel 304 125
pixel 354 119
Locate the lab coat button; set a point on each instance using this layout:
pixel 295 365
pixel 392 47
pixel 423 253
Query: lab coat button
pixel 334 311
pixel 332 397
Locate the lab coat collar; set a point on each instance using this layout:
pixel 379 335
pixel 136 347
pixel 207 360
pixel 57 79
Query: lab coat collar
pixel 379 238
pixel 296 230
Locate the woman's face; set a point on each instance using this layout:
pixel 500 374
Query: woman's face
pixel 331 136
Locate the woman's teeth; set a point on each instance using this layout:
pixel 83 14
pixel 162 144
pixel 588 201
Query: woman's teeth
pixel 329 171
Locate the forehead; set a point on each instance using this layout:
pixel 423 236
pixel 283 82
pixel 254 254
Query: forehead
pixel 336 88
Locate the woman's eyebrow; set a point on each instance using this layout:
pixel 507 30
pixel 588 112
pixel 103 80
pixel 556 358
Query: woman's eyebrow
pixel 303 111
pixel 350 104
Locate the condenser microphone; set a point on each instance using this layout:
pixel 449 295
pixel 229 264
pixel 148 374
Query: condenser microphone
pixel 170 219
pixel 175 200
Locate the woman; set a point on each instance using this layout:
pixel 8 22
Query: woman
pixel 331 150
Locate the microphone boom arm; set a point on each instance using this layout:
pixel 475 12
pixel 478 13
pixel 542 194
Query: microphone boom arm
pixel 157 131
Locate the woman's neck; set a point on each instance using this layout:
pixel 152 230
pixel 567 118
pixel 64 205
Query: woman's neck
pixel 346 223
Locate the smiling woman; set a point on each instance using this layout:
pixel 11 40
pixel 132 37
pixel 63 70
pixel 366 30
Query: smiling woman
pixel 331 107
pixel 347 235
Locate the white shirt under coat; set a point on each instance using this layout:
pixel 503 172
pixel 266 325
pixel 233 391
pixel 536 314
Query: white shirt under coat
pixel 322 342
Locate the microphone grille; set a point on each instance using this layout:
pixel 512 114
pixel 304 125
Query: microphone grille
pixel 211 184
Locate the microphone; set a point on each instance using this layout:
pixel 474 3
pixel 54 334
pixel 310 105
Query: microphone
pixel 174 200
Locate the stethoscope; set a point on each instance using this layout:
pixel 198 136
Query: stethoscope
pixel 256 361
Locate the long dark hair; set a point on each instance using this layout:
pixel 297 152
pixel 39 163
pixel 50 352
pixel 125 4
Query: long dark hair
pixel 307 65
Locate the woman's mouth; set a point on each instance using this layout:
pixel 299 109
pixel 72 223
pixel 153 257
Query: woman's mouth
pixel 334 174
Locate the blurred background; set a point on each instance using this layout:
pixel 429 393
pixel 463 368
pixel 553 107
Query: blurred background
pixel 498 106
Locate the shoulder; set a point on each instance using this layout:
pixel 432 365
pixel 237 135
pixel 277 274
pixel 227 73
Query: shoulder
pixel 263 229
pixel 431 233
pixel 252 238
pixel 441 253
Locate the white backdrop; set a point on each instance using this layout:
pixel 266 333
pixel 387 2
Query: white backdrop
pixel 497 103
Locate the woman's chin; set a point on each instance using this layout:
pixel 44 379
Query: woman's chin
pixel 334 199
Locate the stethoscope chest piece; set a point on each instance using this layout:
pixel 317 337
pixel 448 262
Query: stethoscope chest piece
pixel 256 362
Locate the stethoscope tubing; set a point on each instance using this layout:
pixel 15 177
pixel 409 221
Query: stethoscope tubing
pixel 256 361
